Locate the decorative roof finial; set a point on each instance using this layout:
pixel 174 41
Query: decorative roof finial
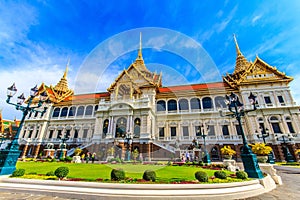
pixel 66 70
pixel 237 46
pixel 241 62
pixel 140 57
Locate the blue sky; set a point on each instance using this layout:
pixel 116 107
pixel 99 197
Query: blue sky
pixel 192 40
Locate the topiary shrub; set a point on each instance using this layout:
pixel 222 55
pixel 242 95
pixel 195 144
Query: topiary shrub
pixel 201 176
pixel 241 175
pixel 68 159
pixel 117 174
pixel 18 172
pixel 220 174
pixel 61 172
pixel 51 173
pixel 149 175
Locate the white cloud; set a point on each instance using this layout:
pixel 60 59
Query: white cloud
pixel 256 18
pixel 221 26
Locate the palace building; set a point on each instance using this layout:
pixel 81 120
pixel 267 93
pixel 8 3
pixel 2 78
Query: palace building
pixel 161 122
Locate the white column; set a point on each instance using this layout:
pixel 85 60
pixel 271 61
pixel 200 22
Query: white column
pixel 131 125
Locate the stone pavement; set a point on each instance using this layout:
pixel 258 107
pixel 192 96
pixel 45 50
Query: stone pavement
pixel 289 190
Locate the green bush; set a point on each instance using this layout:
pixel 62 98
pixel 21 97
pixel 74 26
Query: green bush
pixel 241 175
pixel 118 160
pixel 220 174
pixel 18 172
pixel 117 174
pixel 149 175
pixel 61 172
pixel 201 176
pixel 68 159
pixel 51 173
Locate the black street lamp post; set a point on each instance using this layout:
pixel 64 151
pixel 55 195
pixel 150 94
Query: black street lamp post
pixel 264 134
pixel 128 139
pixel 248 157
pixel 11 153
pixel 63 144
pixel 288 156
pixel 203 134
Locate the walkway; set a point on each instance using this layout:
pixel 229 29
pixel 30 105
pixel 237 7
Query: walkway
pixel 289 190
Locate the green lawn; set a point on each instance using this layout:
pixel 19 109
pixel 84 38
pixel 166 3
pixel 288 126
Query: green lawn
pixel 95 171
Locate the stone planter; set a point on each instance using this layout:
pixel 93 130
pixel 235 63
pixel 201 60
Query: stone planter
pixel 227 157
pixel 262 159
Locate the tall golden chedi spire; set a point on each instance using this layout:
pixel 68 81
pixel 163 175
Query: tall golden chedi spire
pixel 241 62
pixel 62 86
pixel 139 61
pixel 60 91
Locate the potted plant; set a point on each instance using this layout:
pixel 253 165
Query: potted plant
pixel 228 152
pixel 262 151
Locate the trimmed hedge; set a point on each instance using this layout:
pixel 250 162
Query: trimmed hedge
pixel 18 173
pixel 241 175
pixel 117 174
pixel 220 174
pixel 149 175
pixel 201 176
pixel 61 172
pixel 51 173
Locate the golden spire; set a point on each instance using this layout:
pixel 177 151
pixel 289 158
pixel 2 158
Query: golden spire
pixel 139 60
pixel 62 85
pixel 238 52
pixel 67 69
pixel 241 62
pixel 140 57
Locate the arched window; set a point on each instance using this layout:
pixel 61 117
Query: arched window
pixel 105 128
pixel 289 124
pixel 137 128
pixel 183 104
pixel 195 104
pixel 89 110
pixel 275 124
pixel 207 103
pixel 72 111
pixel 121 127
pixel 56 112
pixel 161 105
pixel 80 111
pixel 96 108
pixel 220 102
pixel 172 105
pixel 64 112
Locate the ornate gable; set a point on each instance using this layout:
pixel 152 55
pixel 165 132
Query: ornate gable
pixel 60 91
pixel 251 73
pixel 137 76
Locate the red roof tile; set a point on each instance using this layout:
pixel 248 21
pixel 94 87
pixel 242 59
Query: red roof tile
pixel 193 87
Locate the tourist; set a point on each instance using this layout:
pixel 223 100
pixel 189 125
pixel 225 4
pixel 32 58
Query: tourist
pixel 93 157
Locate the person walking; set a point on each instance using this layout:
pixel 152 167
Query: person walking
pixel 93 157
pixel 87 157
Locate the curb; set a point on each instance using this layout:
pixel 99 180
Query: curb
pixel 115 191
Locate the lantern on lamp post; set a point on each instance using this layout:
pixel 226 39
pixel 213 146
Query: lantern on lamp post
pixel 9 156
pixel 237 110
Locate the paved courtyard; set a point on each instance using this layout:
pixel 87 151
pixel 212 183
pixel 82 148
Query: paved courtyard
pixel 289 190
